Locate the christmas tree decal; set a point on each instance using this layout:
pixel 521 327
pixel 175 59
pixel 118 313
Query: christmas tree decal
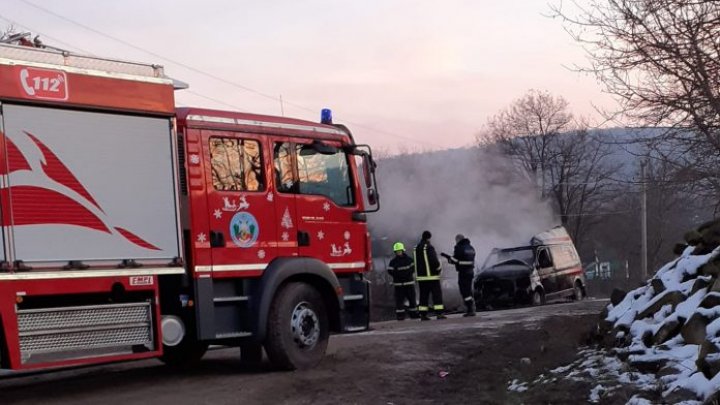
pixel 286 221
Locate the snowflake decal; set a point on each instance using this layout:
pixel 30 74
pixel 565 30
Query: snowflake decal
pixel 195 159
pixel 321 235
pixel 217 214
pixel 347 235
pixel 285 236
pixel 326 207
pixel 270 197
pixel 261 254
pixel 202 238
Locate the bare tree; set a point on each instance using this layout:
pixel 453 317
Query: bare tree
pixel 526 129
pixel 6 32
pixel 661 60
pixel 581 180
pixel 667 211
pixel 560 155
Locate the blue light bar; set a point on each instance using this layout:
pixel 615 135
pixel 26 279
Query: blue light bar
pixel 326 116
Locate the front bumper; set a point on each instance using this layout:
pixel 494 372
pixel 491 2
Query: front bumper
pixel 499 291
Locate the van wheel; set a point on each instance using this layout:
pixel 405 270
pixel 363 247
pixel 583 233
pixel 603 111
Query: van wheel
pixel 538 297
pixel 298 328
pixel 578 291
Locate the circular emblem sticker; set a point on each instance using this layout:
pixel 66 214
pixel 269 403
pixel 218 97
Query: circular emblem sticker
pixel 244 229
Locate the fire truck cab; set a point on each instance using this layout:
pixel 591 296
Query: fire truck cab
pixel 273 209
pixel 132 229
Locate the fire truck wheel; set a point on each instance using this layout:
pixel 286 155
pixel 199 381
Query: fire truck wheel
pixel 298 329
pixel 185 354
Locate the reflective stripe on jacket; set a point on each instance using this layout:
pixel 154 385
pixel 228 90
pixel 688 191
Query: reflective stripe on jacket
pixel 401 270
pixel 427 265
pixel 463 256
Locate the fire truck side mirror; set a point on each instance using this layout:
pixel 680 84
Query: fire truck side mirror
pixel 368 170
pixel 372 196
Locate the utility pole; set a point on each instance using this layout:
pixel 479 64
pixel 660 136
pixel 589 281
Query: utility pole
pixel 643 223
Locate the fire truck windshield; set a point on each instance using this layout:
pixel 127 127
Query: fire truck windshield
pixel 325 174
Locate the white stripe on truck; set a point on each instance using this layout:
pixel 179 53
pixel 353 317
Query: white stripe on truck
pixel 61 274
pixel 262 266
pixel 266 124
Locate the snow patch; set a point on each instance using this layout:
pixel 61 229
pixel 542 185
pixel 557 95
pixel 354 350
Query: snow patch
pixel 637 400
pixel 596 393
pixel 679 278
pixel 517 386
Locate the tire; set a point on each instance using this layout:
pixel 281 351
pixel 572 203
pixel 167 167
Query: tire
pixel 186 354
pixel 298 330
pixel 578 292
pixel 251 355
pixel 538 297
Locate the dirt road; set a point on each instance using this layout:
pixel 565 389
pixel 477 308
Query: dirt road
pixel 395 363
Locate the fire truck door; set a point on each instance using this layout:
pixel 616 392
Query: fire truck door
pixel 326 200
pixel 242 235
pixel 285 185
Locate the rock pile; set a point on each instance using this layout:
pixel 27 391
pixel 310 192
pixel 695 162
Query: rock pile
pixel 671 325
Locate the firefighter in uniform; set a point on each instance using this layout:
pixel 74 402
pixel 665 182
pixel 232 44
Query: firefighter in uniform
pixel 401 270
pixel 464 260
pixel 427 272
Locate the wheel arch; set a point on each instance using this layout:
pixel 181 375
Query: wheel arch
pixel 583 285
pixel 543 297
pixel 296 269
pixel 538 287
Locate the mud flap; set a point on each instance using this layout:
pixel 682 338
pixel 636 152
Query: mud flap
pixel 355 316
pixel 204 309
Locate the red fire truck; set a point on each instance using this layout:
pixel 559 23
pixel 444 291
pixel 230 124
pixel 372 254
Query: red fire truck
pixel 132 229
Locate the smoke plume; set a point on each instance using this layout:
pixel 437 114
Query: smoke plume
pixel 473 191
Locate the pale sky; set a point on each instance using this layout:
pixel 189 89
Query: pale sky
pixel 401 74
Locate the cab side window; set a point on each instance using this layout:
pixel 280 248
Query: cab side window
pixel 544 259
pixel 324 174
pixel 283 166
pixel 236 164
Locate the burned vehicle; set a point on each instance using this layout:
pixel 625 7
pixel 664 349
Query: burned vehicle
pixel 548 268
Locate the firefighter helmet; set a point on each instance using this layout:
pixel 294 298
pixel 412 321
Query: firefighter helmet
pixel 398 247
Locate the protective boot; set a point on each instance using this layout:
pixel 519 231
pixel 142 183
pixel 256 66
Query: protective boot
pixel 424 316
pixel 440 316
pixel 470 305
